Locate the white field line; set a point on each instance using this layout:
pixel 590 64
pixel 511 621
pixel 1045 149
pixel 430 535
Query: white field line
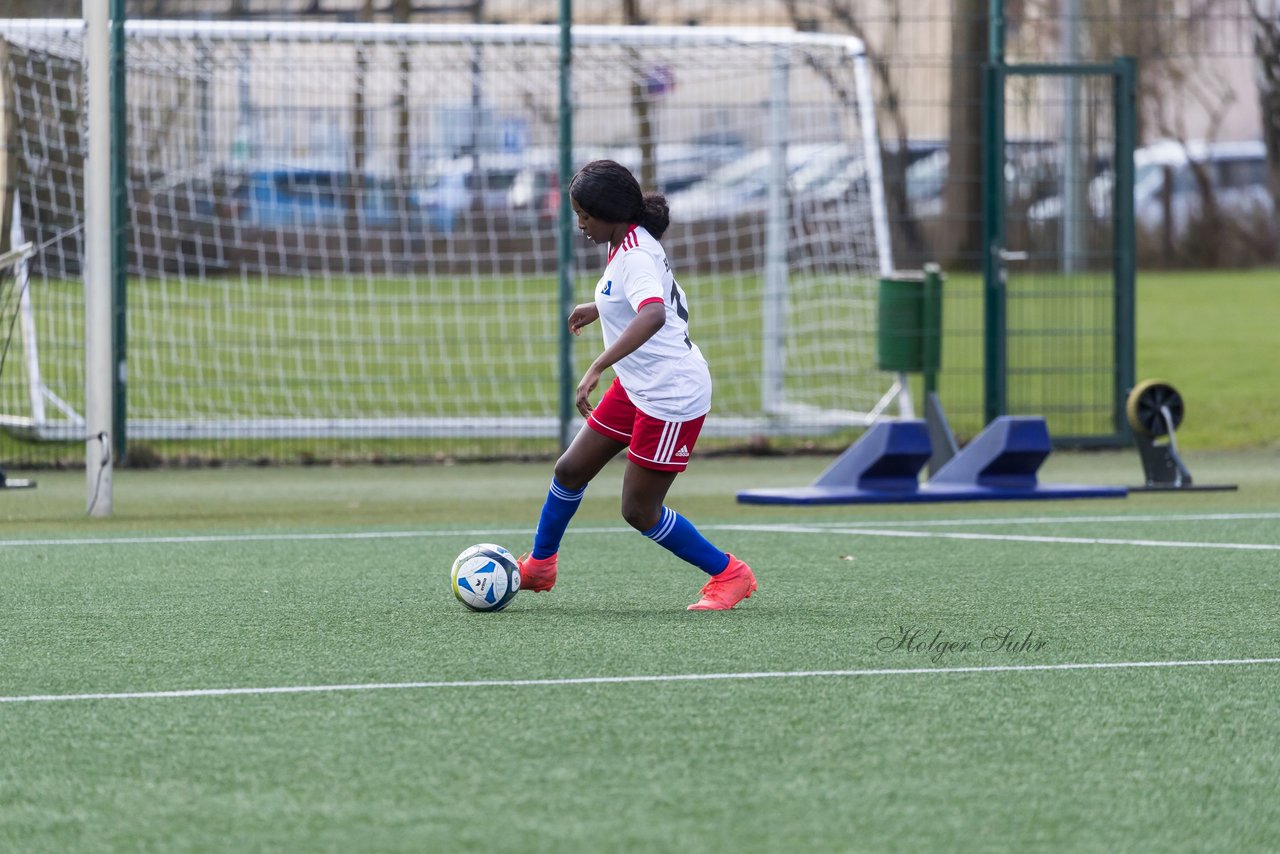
pixel 1008 538
pixel 623 680
pixel 870 528
pixel 280 538
pixel 1053 520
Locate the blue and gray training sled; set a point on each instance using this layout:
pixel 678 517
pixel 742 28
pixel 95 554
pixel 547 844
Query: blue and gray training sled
pixel 883 466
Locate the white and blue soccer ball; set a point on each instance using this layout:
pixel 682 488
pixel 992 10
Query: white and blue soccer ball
pixel 486 577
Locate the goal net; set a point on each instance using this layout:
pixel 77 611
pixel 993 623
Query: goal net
pixel 351 230
pixel 13 308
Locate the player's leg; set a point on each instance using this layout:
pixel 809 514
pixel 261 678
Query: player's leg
pixel 652 466
pixel 600 439
pixel 586 455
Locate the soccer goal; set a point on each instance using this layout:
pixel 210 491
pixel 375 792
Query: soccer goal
pixel 13 307
pixel 350 230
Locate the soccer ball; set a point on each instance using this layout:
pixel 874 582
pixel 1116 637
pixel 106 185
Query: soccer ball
pixel 486 577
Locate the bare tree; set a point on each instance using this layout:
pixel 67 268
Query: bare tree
pixel 1266 51
pixel 401 11
pixel 970 40
pixel 895 158
pixel 1165 44
pixel 1170 60
pixel 641 105
pixel 359 132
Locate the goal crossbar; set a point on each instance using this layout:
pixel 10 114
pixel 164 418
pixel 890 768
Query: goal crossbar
pixel 357 33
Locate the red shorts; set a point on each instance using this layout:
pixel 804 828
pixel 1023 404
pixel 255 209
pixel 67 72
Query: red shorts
pixel 651 442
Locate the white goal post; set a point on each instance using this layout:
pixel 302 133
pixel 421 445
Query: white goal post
pixel 349 230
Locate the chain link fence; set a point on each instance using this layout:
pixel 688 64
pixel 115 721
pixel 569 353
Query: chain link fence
pixel 1208 156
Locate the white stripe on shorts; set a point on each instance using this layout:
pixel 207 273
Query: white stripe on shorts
pixel 667 442
pixel 596 421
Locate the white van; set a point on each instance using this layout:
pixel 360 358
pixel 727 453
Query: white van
pixel 1236 173
pixel 1237 176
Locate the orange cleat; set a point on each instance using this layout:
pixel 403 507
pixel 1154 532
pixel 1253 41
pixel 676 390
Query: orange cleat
pixel 537 575
pixel 723 591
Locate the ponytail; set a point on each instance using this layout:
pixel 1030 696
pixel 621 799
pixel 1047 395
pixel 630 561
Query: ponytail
pixel 655 216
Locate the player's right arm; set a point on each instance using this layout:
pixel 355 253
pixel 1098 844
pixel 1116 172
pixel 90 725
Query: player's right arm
pixel 648 320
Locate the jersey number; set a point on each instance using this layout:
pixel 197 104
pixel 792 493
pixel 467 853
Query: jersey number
pixel 681 311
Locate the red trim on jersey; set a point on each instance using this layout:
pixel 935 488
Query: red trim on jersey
pixel 623 245
pixel 643 303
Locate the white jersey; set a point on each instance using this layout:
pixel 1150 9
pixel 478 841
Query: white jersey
pixel 666 377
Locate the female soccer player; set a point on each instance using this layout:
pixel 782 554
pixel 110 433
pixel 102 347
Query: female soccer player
pixel 659 397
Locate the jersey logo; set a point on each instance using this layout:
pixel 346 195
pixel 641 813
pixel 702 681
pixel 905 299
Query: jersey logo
pixel 683 452
pixel 607 289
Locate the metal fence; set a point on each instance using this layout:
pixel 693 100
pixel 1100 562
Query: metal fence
pixel 1207 176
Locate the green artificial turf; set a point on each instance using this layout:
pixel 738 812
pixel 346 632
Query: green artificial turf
pixel 1213 336
pixel 321 578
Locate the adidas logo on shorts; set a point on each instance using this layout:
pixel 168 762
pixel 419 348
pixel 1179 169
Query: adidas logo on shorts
pixel 683 452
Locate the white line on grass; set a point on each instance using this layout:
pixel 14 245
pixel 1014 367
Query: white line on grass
pixel 620 680
pixel 1008 538
pixel 1053 520
pixel 871 528
pixel 273 538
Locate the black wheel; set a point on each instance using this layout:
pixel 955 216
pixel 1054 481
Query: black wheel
pixel 1144 404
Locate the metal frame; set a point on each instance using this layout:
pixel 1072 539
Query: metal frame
pixel 1123 72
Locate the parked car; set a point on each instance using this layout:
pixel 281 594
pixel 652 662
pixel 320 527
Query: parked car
pixel 1165 174
pixel 850 179
pixel 743 185
pixel 1236 173
pixel 678 167
pixel 316 194
pixel 926 180
pixel 1031 170
pixel 468 183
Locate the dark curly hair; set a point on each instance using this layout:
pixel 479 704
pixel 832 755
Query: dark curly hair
pixel 608 191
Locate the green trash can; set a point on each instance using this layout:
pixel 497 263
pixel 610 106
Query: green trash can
pixel 909 322
pixel 900 322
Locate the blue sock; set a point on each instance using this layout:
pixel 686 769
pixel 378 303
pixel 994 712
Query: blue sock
pixel 677 534
pixel 559 508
